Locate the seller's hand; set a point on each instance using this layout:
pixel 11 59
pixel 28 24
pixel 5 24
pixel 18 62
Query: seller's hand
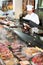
pixel 26 26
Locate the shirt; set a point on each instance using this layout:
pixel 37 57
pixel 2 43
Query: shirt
pixel 33 17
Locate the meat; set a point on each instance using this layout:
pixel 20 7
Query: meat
pixel 7 43
pixel 16 45
pixel 38 59
pixel 29 51
pixel 24 62
pixel 5 52
pixel 12 61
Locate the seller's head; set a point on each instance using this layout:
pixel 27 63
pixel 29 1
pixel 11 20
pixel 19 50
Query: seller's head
pixel 30 9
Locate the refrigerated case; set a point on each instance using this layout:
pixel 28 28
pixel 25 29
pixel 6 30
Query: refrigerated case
pixel 15 45
pixel 7 5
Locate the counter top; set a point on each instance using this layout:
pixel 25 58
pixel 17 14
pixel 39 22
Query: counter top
pixel 30 40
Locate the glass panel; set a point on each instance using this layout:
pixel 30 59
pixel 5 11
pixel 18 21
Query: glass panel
pixel 6 7
pixel 40 3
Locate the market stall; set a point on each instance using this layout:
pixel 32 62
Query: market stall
pixel 18 47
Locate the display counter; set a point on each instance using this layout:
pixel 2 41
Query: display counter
pixel 30 39
pixel 2 17
pixel 18 47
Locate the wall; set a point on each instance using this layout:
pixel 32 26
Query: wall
pixel 36 3
pixel 18 8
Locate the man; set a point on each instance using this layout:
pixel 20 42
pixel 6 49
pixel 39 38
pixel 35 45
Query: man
pixel 31 16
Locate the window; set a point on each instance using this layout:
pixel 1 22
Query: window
pixel 40 5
